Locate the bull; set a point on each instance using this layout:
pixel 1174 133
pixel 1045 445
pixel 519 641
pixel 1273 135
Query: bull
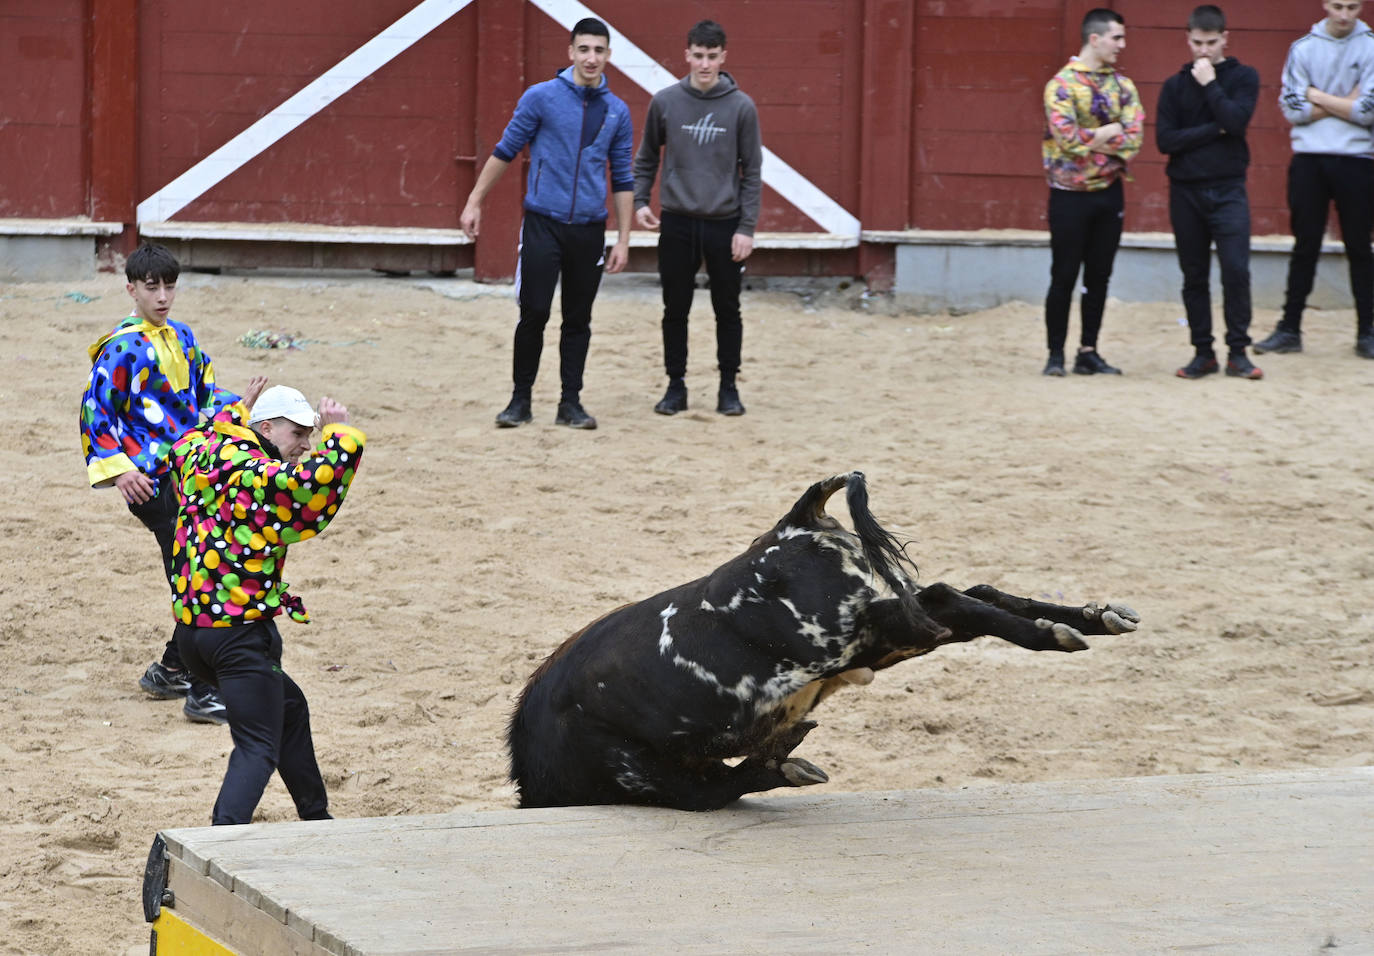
pixel 656 702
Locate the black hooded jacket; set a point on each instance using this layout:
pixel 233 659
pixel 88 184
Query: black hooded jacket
pixel 1202 128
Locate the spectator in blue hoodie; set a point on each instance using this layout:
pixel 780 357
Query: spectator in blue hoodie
pixel 1328 97
pixel 575 127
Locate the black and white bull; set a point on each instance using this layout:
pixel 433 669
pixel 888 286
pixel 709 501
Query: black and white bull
pixel 647 704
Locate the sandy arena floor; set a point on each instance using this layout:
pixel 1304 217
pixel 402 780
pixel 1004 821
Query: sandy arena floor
pixel 1235 516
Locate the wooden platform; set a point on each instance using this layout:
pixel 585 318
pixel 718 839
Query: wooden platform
pixel 1226 863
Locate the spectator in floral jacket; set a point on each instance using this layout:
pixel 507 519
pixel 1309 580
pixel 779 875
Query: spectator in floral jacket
pixel 1094 124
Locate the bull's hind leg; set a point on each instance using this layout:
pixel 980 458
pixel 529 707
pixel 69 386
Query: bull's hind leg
pixel 716 786
pixel 1089 618
pixel 638 774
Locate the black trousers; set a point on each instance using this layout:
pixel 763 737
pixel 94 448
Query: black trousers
pixel 1315 180
pixel 269 719
pixel 684 242
pixel 1085 231
pixel 159 515
pixel 1201 214
pixel 551 250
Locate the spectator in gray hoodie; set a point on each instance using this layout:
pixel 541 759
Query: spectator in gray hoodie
pixel 709 130
pixel 1328 96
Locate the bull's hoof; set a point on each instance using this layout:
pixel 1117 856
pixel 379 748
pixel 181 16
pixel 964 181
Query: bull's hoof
pixel 802 773
pixel 1119 619
pixel 1116 618
pixel 1065 638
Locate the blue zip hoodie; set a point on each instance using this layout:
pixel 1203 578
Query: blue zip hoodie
pixel 572 132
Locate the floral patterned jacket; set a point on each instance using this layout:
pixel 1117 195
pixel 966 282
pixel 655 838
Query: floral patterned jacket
pixel 1077 102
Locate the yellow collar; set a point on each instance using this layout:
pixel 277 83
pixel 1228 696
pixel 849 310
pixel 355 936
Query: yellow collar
pixel 171 358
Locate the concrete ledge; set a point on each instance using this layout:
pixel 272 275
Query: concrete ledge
pixel 401 235
pixel 304 232
pixel 965 271
pixel 1040 238
pixel 643 238
pixel 74 226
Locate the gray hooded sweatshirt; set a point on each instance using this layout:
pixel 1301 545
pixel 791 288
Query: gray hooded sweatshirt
pixel 1336 67
pixel 712 153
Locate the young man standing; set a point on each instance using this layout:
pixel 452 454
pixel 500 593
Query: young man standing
pixel 709 130
pixel 575 127
pixel 150 383
pixel 1328 96
pixel 1094 125
pixel 248 485
pixel 1204 110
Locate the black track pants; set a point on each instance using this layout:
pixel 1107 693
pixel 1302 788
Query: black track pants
pixel 684 243
pixel 550 250
pixel 269 719
pixel 1085 230
pixel 1315 180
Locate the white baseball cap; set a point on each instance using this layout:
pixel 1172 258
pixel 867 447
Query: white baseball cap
pixel 282 401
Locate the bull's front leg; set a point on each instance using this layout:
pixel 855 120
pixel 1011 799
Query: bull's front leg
pixel 890 638
pixel 1059 629
pixel 1089 618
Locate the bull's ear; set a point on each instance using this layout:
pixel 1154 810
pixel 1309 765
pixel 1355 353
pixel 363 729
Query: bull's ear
pixel 809 511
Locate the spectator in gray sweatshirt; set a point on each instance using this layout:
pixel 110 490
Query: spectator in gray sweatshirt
pixel 705 130
pixel 1328 96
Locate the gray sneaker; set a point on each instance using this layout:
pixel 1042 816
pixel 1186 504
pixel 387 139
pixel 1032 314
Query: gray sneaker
pixel 205 708
pixel 164 683
pixel 573 415
pixel 1280 340
pixel 515 414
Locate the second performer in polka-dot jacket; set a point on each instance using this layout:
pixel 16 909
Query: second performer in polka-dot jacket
pixel 241 505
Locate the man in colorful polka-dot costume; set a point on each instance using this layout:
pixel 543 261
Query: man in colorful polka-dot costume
pixel 151 382
pixel 245 494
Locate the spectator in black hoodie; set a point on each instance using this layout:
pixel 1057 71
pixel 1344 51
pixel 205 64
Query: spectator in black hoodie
pixel 1204 110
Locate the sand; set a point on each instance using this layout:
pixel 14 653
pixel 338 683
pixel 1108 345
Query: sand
pixel 1235 516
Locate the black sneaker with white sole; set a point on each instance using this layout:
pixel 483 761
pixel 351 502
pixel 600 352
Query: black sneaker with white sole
pixel 164 683
pixel 204 706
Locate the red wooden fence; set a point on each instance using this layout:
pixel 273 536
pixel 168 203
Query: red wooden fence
pixel 909 115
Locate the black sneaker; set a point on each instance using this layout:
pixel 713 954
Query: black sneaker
pixel 1090 363
pixel 727 401
pixel 1055 365
pixel 516 413
pixel 1280 340
pixel 1200 365
pixel 1364 346
pixel 165 683
pixel 574 416
pixel 1238 366
pixel 674 400
pixel 205 707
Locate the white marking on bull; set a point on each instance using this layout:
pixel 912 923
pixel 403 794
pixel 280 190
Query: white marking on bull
pixel 665 640
pixel 731 605
pixel 809 629
pixel 629 777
